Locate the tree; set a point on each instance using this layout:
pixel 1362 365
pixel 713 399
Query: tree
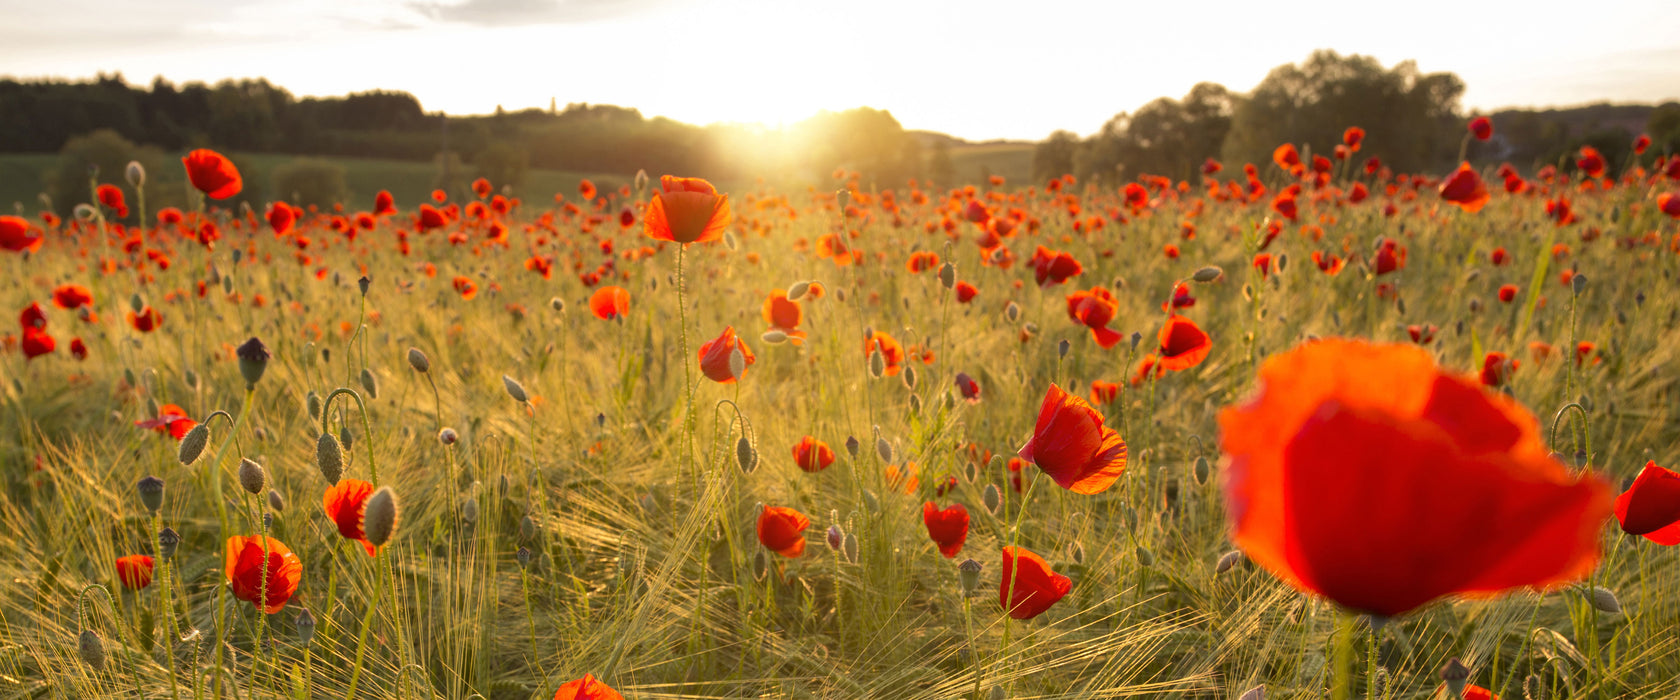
pixel 1165 137
pixel 1054 156
pixel 102 157
pixel 941 170
pixel 502 164
pixel 311 182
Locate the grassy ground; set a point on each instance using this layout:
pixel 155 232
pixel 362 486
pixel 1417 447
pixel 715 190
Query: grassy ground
pixel 641 564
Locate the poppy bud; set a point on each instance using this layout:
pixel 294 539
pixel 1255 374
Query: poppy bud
pixel 916 403
pixel 1578 283
pixel 1282 262
pixel 313 403
pixel 641 180
pixel 835 537
pixel 1475 304
pixel 761 565
pixel 1256 693
pixel 189 376
pixel 447 436
pixel 883 450
pixel 268 521
pixel 227 282
pixel 909 377
pixel 1136 338
pixel 276 502
pixel 558 304
pixel 469 511
pixel 971 472
pixel 1455 673
pixel 253 360
pixel 1605 601
pixel 238 254
pixel 168 540
pixel 798 290
pixel 730 242
pixel 524 557
pixel 991 498
pixel 1227 561
pixel 527 528
pixel 746 456
pixel 1534 688
pixel 1207 274
pixel 850 548
pixel 151 493
pixel 418 361
pixel 345 437
pixel 871 502
pixel 877 364
pixel 251 477
pixel 152 408
pixel 135 174
pixel 515 389
pixel 329 458
pixel 363 283
pixel 379 516
pixel 1011 312
pixel 1076 551
pixel 774 337
pixel 1144 556
pixel 305 627
pixel 1129 514
pixel 1202 471
pixel 737 362
pixel 600 420
pixel 84 213
pixel 997 693
pixel 1247 293
pixel 969 573
pixel 92 649
pixel 948 275
pixel 370 384
pixel 1062 349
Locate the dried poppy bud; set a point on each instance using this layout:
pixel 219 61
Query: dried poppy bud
pixel 774 337
pixel 253 360
pixel 329 458
pixel 305 627
pixel 276 502
pixel 515 389
pixel 447 436
pixel 370 384
pixel 991 498
pixel 418 361
pixel 92 649
pixel 379 516
pixel 151 493
pixel 969 573
pixel 1227 561
pixel 135 174
pixel 746 456
pixel 168 540
pixel 798 290
pixel 1605 601
pixel 251 477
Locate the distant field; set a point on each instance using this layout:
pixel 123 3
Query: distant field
pixel 1011 160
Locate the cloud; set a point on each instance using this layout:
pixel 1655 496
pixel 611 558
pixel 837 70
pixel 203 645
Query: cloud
pixel 525 12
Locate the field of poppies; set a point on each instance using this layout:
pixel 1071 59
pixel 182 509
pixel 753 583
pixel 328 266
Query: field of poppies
pixel 1305 428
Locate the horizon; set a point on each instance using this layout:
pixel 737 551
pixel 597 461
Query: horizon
pixel 935 70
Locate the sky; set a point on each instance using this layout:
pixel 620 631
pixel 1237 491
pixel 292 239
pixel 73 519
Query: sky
pixel 977 69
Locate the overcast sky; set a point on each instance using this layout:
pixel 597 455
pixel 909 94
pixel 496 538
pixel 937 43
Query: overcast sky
pixel 977 69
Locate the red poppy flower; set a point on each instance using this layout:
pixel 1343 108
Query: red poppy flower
pixel 1482 128
pixel 384 204
pixel 812 455
pixel 78 349
pixel 976 212
pixel 891 351
pixel 1641 143
pixel 1071 444
pixel 1358 193
pixel 1469 502
pixel 1353 137
pixel 1328 264
pixel 1390 257
pixel 134 571
pixel 1559 211
pixel 686 210
pixel 969 388
pixel 1028 586
pixel 440 196
pixel 1183 344
pixel 1650 508
pixel 947 528
pixel 1287 157
pixel 37 342
pixel 1094 309
pixel 626 218
pixel 430 218
pixel 1499 257
pixel 1465 189
pixel 586 189
pixel 1104 392
pixel 464 287
pixel 481 187
pixel 966 292
pixel 146 321
pixel 714 356
pixel 344 502
pixel 171 419
pixel 112 198
pixel 280 218
pixel 1053 267
pixel 213 174
pixel 1507 292
pixel 1497 369
pixel 1591 162
pixel 782 530
pixel 1669 204
pixel 586 688
pixel 1422 335
pixel 15 235
pixel 922 261
pixel 1284 204
pixel 247 571
pixel 608 303
pixel 70 296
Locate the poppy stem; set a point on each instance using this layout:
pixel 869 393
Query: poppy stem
pixel 367 428
pixel 367 623
pixel 688 377
pixel 165 603
pixel 1341 684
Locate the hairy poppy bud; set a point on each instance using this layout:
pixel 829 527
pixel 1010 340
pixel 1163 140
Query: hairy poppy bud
pixel 379 516
pixel 641 180
pixel 447 436
pixel 971 472
pixel 1604 600
pixel 737 363
pixel 276 502
pixel 151 493
pixel 761 565
pixel 835 537
pixel 877 364
pixel 168 540
pixel 418 361
pixel 527 528
pixel 524 557
pixel 558 304
pixel 469 511
pixel 370 384
pixel 329 458
pixel 346 438
pixel 1202 471
pixel 135 174
pixel 92 649
pixel 305 627
pixel 1144 556
pixel 909 377
pixel 84 213
pixel 515 389
pixel 916 403
pixel 948 275
pixel 798 290
pixel 852 446
pixel 849 548
pixel 883 450
pixel 746 456
pixel 871 502
pixel 991 498
pixel 253 361
pixel 1227 561
pixel 774 337
pixel 1207 274
pixel 251 477
pixel 313 403
pixel 1256 693
pixel 1011 312
pixel 1076 552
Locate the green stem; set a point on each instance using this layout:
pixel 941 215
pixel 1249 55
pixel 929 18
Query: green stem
pixel 367 625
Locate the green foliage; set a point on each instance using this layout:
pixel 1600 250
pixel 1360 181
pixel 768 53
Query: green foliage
pixel 1055 156
pixel 311 182
pixel 1165 137
pixel 102 157
pixel 503 165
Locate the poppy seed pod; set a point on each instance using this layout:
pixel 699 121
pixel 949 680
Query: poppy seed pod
pixel 1227 561
pixel 448 437
pixel 948 275
pixel 370 384
pixel 92 649
pixel 363 283
pixel 253 361
pixel 969 573
pixel 151 493
pixel 329 458
pixel 168 540
pixel 798 290
pixel 305 627
pixel 746 456
pixel 515 389
pixel 135 174
pixel 1207 274
pixel 379 516
pixel 418 361
pixel 251 477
